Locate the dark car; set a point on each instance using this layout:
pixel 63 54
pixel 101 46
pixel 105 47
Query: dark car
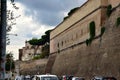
pixel 109 78
pixel 104 78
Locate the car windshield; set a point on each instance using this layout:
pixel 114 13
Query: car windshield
pixel 109 78
pixel 49 78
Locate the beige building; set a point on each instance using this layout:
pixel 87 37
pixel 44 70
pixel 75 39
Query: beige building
pixel 75 29
pixel 29 51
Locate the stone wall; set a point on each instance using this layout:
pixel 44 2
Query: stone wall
pixel 101 58
pixel 114 2
pixel 33 67
pixel 84 10
pixel 79 31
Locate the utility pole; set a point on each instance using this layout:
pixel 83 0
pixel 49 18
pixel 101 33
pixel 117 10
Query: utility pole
pixel 2 38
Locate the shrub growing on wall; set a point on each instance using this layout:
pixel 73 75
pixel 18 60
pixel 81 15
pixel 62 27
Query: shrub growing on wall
pixel 92 29
pixel 92 33
pixel 65 18
pixel 118 21
pixel 102 31
pixel 109 10
pixel 73 10
pixel 88 41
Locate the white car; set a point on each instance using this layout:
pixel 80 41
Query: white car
pixel 46 77
pixel 18 78
pixel 78 78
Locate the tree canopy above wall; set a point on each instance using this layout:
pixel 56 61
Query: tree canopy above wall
pixel 44 39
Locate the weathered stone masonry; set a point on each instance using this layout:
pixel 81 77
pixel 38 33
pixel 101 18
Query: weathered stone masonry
pixel 68 42
pixel 76 28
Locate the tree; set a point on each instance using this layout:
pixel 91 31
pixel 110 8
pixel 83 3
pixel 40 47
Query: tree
pixel 48 35
pixel 43 40
pixel 33 41
pixel 10 64
pixel 11 18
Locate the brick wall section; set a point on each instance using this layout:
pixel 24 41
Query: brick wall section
pixel 101 58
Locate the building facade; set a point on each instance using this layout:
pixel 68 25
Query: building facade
pixel 29 51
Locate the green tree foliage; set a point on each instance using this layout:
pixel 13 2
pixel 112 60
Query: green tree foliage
pixel 45 53
pixel 34 41
pixel 44 39
pixel 48 35
pixel 36 57
pixel 11 20
pixel 10 65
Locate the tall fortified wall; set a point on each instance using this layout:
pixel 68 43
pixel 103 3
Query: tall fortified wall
pixel 67 42
pixel 75 28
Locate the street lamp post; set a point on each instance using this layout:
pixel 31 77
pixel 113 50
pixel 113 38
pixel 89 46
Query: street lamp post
pixel 2 38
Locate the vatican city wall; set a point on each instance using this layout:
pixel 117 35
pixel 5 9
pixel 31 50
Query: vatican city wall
pixel 114 3
pixel 70 52
pixel 76 28
pixel 84 10
pixel 101 58
pixel 32 67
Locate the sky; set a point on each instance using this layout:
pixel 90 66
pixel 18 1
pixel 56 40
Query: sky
pixel 36 17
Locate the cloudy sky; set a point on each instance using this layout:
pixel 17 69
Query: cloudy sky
pixel 37 16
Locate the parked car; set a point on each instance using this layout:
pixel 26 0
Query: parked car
pixel 27 77
pixel 46 77
pixel 78 78
pixel 67 77
pixel 104 78
pixel 18 77
pixel 109 78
